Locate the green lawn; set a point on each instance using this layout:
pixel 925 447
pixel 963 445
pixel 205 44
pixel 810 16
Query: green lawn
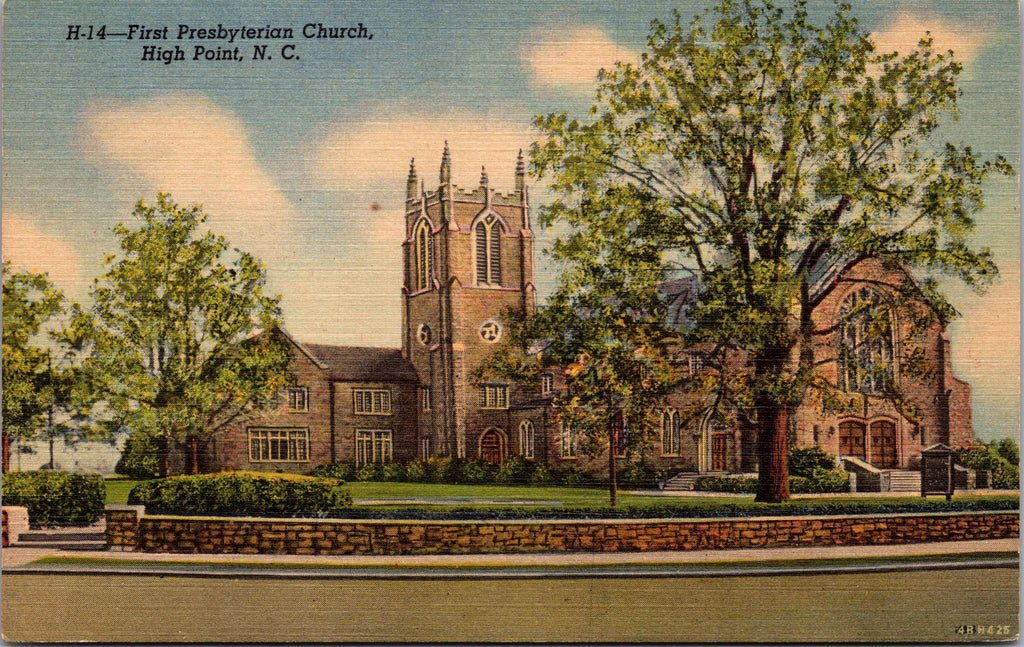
pixel 380 492
pixel 118 489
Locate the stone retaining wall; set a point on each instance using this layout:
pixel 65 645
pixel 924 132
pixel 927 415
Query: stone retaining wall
pixel 321 537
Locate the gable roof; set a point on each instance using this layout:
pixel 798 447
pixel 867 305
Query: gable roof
pixel 363 364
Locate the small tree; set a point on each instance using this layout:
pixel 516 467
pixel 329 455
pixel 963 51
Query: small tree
pixel 748 154
pixel 169 343
pixel 603 329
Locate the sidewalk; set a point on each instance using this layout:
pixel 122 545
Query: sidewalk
pixel 736 561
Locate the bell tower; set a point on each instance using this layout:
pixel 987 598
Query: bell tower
pixel 467 255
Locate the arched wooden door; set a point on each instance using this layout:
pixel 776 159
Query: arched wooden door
pixel 492 446
pixel 851 439
pixel 883 444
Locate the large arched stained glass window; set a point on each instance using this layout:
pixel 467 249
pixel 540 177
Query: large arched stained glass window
pixel 866 347
pixel 424 252
pixel 488 251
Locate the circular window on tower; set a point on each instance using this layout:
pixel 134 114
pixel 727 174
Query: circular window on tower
pixel 490 331
pixel 424 334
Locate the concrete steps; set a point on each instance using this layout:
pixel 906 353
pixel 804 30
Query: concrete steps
pixel 900 481
pixel 685 481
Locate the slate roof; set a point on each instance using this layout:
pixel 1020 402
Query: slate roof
pixel 362 364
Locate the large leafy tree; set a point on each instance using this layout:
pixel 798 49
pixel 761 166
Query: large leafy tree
pixel 30 301
pixel 170 343
pixel 750 147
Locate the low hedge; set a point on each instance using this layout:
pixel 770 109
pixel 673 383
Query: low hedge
pixel 712 509
pixel 56 498
pixel 820 481
pixel 514 470
pixel 243 495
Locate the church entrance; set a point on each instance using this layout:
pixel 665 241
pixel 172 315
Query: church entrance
pixel 883 444
pixel 851 439
pixel 719 456
pixel 492 446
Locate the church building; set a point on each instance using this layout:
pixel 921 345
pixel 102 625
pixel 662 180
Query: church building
pixel 467 255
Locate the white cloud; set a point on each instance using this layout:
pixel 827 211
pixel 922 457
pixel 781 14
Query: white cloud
pixel 572 57
pixel 905 30
pixel 187 145
pixel 374 154
pixel 29 248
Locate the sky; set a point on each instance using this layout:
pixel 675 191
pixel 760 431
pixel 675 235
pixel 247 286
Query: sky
pixel 301 157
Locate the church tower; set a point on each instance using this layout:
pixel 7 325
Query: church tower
pixel 467 255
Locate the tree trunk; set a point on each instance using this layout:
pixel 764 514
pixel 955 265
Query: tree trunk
pixel 6 452
pixel 193 455
pixel 612 475
pixel 773 450
pixel 163 448
pixel 772 426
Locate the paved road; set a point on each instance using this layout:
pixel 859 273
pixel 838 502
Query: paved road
pixel 929 606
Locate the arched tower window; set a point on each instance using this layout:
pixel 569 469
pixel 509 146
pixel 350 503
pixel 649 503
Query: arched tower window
pixel 488 250
pixel 424 253
pixel 671 434
pixel 866 346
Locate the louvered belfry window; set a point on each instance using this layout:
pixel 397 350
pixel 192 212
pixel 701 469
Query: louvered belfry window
pixel 488 251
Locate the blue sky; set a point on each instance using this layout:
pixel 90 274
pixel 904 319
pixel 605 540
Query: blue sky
pixel 303 162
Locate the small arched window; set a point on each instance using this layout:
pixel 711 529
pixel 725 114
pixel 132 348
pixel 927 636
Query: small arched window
pixel 488 251
pixel 424 253
pixel 866 346
pixel 527 438
pixel 671 434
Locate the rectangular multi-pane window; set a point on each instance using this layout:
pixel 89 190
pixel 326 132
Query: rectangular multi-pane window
pixel 494 396
pixel 278 445
pixel 298 398
pixel 426 398
pixel 373 446
pixel 372 401
pixel 547 384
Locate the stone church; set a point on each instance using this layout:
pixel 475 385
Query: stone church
pixel 467 255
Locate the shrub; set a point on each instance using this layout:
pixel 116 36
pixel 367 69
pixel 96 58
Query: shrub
pixel 576 476
pixel 370 472
pixel 447 469
pixel 139 459
pixel 541 476
pixel 516 470
pixel 1008 449
pixel 337 471
pixel 242 494
pixel 393 472
pixel 743 484
pixel 639 476
pixel 419 471
pixel 803 461
pixel 56 498
pixel 477 472
pixel 821 481
pixel 998 457
pixel 1006 477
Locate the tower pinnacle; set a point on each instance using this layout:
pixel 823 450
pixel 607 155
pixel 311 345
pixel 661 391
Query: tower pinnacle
pixel 446 165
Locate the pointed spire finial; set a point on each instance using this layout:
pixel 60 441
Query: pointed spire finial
pixel 483 176
pixel 520 172
pixel 410 183
pixel 412 167
pixel 446 164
